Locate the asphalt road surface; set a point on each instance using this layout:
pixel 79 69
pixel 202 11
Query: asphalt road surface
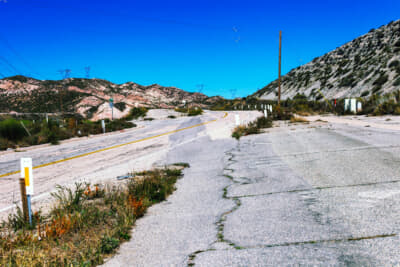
pixel 310 194
pixel 325 193
pixel 131 150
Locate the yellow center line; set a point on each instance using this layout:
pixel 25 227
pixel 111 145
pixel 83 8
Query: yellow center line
pixel 116 146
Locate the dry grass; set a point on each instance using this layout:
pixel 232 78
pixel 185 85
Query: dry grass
pixel 252 127
pixel 298 119
pixel 86 224
pixel 303 113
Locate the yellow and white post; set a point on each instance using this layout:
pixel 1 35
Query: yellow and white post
pixel 26 173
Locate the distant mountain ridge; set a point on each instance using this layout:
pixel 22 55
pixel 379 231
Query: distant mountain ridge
pixel 370 64
pixel 90 97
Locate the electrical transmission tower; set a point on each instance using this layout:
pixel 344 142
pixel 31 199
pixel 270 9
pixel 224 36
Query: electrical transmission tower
pixel 65 74
pixel 233 93
pixel 200 88
pixel 87 71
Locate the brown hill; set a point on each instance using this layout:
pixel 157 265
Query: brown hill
pixel 90 97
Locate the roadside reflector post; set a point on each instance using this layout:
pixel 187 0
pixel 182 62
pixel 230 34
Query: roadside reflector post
pixel 26 174
pixel 23 198
pixel 265 113
pixel 237 118
pixel 103 125
pixel 111 102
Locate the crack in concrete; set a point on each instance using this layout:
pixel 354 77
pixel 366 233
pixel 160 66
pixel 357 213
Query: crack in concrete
pixel 220 223
pixel 307 242
pixel 319 188
pixel 322 241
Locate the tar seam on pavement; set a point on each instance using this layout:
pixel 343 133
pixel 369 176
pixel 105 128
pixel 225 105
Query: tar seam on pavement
pixel 320 188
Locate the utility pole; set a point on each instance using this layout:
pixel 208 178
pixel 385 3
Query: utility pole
pixel 279 78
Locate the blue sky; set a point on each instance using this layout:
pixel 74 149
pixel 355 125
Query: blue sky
pixel 225 45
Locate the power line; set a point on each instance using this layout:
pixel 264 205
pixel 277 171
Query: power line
pixel 8 45
pixel 6 67
pixel 137 17
pixel 10 65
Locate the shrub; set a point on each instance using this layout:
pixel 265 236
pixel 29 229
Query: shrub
pixel 376 88
pixel 394 64
pixel 136 113
pixel 119 124
pixel 69 200
pixel 120 105
pixel 280 113
pixel 365 93
pixel 252 127
pixel 348 81
pixel 387 107
pixel 195 111
pixel 157 185
pixel 12 130
pixel 263 122
pixel 108 244
pixel 181 110
pixel 5 143
pixel 381 80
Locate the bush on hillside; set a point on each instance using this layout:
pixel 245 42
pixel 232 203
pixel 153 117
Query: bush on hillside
pixel 195 111
pixel 136 113
pixel 381 80
pixel 12 130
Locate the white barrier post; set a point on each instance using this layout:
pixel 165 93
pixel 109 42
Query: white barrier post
pixel 237 118
pixel 103 125
pixel 26 173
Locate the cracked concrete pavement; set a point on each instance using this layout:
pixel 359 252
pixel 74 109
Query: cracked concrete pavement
pixel 323 193
pixel 106 165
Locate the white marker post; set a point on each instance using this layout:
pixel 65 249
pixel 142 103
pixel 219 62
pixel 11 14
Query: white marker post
pixel 111 102
pixel 237 119
pixel 103 125
pixel 26 173
pixel 265 113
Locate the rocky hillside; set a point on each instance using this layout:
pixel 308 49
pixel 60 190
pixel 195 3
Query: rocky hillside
pixel 89 97
pixel 367 65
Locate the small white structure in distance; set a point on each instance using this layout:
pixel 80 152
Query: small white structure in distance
pixel 237 119
pixel 352 105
